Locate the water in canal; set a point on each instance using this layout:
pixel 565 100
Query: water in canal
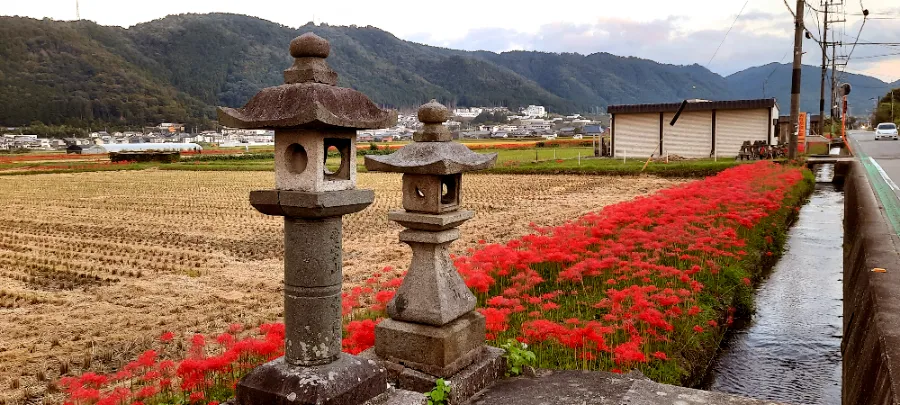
pixel 791 350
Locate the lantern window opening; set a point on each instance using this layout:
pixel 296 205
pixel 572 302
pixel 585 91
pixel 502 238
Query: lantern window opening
pixel 296 157
pixel 342 147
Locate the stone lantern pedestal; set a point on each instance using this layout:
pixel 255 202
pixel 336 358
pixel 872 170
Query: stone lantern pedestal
pixel 434 331
pixel 310 115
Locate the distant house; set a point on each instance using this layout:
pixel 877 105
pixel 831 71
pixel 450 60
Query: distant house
pixel 535 111
pixel 705 128
pixel 592 130
pixel 567 131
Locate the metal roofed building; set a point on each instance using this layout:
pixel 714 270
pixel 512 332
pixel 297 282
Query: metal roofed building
pixel 139 147
pixel 704 129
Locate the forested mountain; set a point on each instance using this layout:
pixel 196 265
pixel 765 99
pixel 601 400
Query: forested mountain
pixel 602 79
pixel 179 67
pixel 80 73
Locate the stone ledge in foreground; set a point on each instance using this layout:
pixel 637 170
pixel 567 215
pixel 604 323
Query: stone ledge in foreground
pixel 567 387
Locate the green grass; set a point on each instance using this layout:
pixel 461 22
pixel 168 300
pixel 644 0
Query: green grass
pixel 225 165
pixel 818 148
pixel 631 167
pixel 544 160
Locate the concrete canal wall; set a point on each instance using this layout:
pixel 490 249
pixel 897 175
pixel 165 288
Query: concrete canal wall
pixel 871 342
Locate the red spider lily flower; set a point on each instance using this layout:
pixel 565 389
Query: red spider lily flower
pixel 384 297
pixel 549 306
pixel 712 323
pixel 167 337
pixel 628 353
pixel 746 281
pixel 660 355
pixel 196 396
pixel 225 339
pixel 146 392
pixel 360 336
pixel 698 329
pixel 393 283
pixel 147 358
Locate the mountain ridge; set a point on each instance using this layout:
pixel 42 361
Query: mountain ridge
pixel 179 67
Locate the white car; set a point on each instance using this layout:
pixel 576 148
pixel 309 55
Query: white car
pixel 886 130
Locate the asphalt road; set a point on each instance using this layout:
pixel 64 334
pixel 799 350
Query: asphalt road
pixel 885 153
pixel 882 161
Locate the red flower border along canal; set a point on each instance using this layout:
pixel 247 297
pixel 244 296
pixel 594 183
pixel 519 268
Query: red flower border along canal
pixel 654 284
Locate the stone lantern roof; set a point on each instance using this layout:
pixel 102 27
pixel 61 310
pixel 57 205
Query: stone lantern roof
pixel 309 97
pixel 432 153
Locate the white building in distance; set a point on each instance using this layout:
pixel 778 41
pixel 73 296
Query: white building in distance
pixel 468 112
pixel 537 111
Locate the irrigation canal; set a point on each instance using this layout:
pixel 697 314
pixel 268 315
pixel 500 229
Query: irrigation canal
pixel 791 350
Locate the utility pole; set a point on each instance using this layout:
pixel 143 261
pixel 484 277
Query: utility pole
pixel 824 46
pixel 795 79
pixel 834 109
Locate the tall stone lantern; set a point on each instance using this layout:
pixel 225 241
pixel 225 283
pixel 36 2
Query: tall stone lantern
pixel 310 115
pixel 433 331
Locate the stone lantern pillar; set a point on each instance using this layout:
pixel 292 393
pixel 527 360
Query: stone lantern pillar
pixel 310 115
pixel 433 331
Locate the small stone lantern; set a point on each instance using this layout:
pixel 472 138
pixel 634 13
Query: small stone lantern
pixel 433 330
pixel 310 115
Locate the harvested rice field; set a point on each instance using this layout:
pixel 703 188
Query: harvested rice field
pixel 95 266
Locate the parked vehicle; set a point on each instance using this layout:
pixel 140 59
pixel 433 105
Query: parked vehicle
pixel 886 130
pixel 577 137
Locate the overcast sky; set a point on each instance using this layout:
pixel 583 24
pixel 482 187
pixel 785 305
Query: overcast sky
pixel 679 32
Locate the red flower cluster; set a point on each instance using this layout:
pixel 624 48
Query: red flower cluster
pixel 195 380
pixel 622 287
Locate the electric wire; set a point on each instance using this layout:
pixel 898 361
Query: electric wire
pixel 728 32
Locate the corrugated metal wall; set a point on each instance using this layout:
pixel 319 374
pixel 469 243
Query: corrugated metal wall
pixel 636 134
pixel 733 127
pixel 691 137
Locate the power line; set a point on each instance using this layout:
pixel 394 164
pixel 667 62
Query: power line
pixel 778 65
pixel 865 13
pixel 728 32
pixel 812 8
pixel 789 9
pixel 878 56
